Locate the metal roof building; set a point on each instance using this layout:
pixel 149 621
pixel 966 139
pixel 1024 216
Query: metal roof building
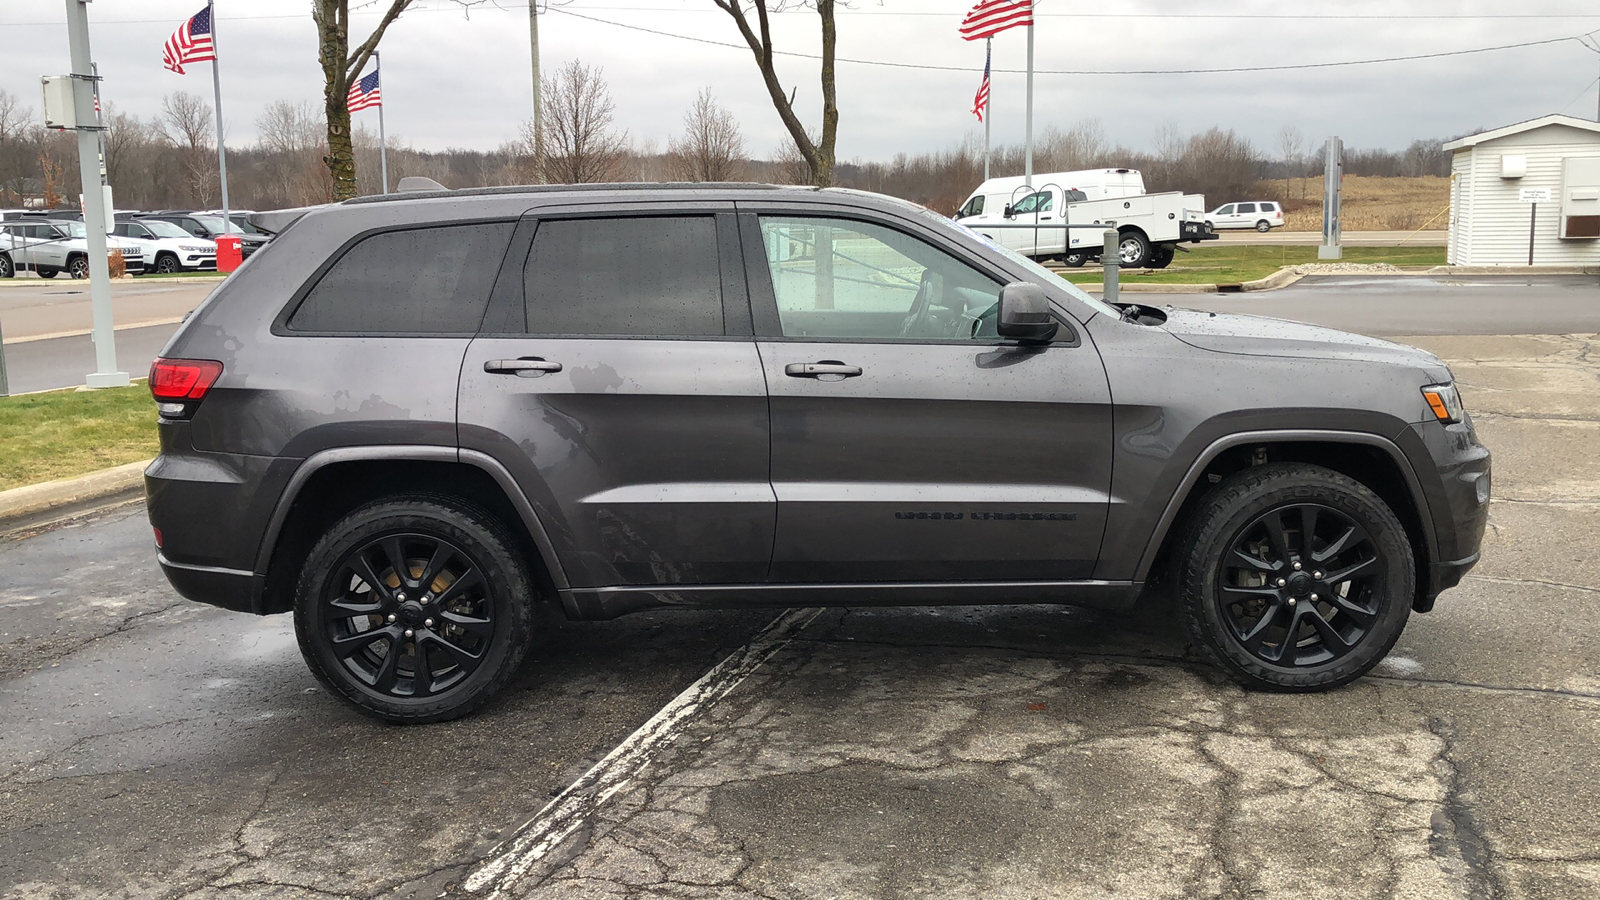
pixel 1540 178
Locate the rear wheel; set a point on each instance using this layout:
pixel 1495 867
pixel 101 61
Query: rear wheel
pixel 414 609
pixel 46 272
pixel 1263 226
pixel 1134 249
pixel 1161 256
pixel 1074 260
pixel 1295 578
pixel 7 270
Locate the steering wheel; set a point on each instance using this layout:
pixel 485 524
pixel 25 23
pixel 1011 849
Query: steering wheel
pixel 916 320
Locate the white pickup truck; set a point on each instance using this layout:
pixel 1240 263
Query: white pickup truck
pixel 1149 226
pixel 50 246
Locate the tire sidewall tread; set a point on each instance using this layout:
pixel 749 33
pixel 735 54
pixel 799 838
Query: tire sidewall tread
pixel 1246 495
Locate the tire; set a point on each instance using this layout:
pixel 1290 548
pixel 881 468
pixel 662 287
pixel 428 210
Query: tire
pixel 481 598
pixel 7 269
pixel 46 273
pixel 1263 226
pixel 1135 250
pixel 1074 260
pixel 166 264
pixel 1347 607
pixel 1161 256
pixel 78 267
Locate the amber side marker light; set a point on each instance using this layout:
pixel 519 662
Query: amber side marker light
pixel 1445 402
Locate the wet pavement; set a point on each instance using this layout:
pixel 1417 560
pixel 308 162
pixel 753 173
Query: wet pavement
pixel 154 748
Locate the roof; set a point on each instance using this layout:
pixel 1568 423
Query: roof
pixel 577 188
pixel 1473 140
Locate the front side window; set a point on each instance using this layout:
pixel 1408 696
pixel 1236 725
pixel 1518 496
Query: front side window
pixel 974 207
pixel 417 281
pixel 838 278
pixel 1043 201
pixel 645 276
pixel 1226 210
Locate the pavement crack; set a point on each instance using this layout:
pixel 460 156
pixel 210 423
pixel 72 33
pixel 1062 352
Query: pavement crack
pixel 1566 585
pixel 1455 830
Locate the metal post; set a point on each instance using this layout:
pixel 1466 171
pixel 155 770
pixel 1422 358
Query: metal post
pixel 1332 177
pixel 100 122
pixel 1111 262
pixel 5 384
pixel 1028 152
pixel 222 152
pixel 383 144
pixel 94 211
pixel 538 100
pixel 1533 215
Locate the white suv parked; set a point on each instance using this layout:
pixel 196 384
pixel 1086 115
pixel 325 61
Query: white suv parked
pixel 1262 215
pixel 167 248
pixel 49 246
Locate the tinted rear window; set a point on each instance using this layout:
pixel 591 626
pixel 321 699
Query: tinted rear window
pixel 653 276
pixel 417 281
pixel 1247 207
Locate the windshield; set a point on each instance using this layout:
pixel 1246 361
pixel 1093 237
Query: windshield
pixel 165 229
pixel 75 229
pixel 1043 274
pixel 213 224
pixel 245 226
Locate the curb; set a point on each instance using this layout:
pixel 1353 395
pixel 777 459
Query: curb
pixel 36 505
pixel 1099 288
pixel 1514 270
pixel 1282 278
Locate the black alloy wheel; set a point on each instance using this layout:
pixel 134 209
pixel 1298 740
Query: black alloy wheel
pixel 414 609
pixel 1295 577
pixel 166 264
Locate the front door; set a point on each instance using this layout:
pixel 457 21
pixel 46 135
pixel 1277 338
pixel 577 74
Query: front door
pixel 909 443
pixel 617 381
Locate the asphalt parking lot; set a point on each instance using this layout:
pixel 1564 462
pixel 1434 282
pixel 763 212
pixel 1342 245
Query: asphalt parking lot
pixel 154 748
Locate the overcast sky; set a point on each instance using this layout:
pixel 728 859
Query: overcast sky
pixel 461 79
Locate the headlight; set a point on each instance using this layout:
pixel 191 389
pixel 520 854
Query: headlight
pixel 189 249
pixel 1445 401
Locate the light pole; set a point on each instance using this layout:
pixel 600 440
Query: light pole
pixel 94 206
pixel 538 101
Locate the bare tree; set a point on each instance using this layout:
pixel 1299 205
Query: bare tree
pixel 711 147
pixel 579 144
pixel 13 116
pixel 340 67
pixel 1292 144
pixel 790 166
pixel 125 136
pixel 185 123
pixel 818 152
pixel 293 140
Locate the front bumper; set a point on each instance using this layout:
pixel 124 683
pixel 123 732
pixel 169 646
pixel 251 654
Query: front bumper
pixel 1458 502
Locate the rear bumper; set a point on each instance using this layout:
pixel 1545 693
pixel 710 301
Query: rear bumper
pixel 233 589
pixel 1196 232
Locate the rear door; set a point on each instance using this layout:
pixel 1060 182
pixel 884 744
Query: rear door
pixel 909 444
pixel 617 380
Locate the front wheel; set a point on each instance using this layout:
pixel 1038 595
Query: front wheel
pixel 414 609
pixel 1294 577
pixel 78 267
pixel 1263 226
pixel 166 264
pixel 1134 250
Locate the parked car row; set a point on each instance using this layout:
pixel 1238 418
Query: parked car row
pixel 163 241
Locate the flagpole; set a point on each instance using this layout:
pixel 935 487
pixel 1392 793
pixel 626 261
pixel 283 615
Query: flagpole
pixel 1029 151
pixel 216 85
pixel 988 108
pixel 383 145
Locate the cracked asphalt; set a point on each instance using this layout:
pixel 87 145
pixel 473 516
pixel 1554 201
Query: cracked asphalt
pixel 154 748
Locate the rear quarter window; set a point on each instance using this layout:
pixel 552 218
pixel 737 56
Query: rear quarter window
pixel 415 281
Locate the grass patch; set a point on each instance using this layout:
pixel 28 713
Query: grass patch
pixel 1234 263
pixel 66 433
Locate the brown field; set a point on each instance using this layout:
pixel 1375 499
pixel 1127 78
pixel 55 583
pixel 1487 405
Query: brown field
pixel 1371 203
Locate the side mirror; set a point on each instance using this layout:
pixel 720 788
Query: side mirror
pixel 1009 212
pixel 1025 313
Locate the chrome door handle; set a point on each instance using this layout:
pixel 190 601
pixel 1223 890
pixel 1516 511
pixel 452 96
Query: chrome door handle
pixel 818 369
pixel 526 367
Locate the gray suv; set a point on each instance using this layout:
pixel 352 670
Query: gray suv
pixel 411 418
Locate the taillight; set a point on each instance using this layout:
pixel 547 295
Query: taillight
pixel 179 384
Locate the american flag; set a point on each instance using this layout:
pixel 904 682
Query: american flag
pixel 364 94
pixel 981 101
pixel 191 43
pixel 990 17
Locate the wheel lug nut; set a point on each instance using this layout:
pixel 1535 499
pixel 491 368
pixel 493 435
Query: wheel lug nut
pixel 402 597
pixel 1316 575
pixel 1312 598
pixel 1297 566
pixel 410 633
pixel 428 622
pixel 391 618
pixel 1291 601
pixel 1283 582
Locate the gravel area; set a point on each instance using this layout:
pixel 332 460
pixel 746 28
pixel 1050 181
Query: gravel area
pixel 1345 269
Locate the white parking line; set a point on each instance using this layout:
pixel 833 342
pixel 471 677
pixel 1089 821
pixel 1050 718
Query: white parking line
pixel 574 807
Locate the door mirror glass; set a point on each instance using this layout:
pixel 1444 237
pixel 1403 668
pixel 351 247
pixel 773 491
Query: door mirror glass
pixel 1025 313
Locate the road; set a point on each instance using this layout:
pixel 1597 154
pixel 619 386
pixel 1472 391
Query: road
pixel 150 747
pixel 1351 238
pixel 46 325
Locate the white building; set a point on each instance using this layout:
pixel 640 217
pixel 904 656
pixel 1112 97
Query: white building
pixel 1494 174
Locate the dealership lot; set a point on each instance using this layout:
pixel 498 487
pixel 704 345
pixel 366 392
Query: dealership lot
pixel 152 747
